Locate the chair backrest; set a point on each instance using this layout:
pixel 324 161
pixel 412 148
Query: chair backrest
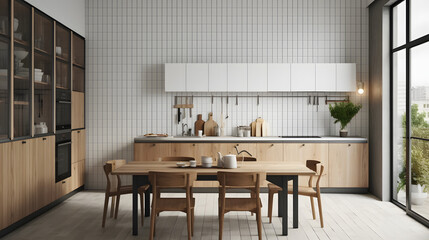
pixel 110 166
pixel 312 164
pixel 246 180
pixel 176 159
pixel 164 180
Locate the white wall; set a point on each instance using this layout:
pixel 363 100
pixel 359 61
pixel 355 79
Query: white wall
pixel 71 13
pixel 129 41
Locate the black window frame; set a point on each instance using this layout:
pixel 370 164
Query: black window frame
pixel 409 44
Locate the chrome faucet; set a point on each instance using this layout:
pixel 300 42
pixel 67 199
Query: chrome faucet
pixel 242 151
pixel 184 133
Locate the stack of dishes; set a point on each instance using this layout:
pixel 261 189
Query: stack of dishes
pixel 38 74
pixel 22 72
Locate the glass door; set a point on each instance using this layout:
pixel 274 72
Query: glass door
pixel 78 64
pixel 43 74
pixel 22 87
pixel 4 68
pixel 410 107
pixel 62 51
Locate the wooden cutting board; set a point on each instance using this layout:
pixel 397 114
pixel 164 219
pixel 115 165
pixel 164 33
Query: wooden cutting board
pixel 209 126
pixel 259 123
pixel 265 128
pixel 199 124
pixel 253 128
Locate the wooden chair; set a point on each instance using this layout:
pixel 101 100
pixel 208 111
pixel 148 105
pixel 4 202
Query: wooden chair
pixel 169 180
pixel 116 191
pixel 239 180
pixel 305 191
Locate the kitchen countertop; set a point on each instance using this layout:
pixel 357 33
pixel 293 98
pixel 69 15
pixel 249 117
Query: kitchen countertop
pixel 230 139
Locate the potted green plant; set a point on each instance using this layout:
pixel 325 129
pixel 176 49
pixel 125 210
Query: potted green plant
pixel 419 187
pixel 344 112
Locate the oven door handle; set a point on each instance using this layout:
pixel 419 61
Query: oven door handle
pixel 63 144
pixel 64 102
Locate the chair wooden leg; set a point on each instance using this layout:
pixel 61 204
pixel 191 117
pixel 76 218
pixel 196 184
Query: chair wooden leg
pixel 112 208
pixel 189 222
pixel 192 226
pixel 142 208
pixel 259 222
pixel 106 205
pixel 152 223
pixel 319 201
pixel 252 195
pixel 117 206
pixel 312 208
pixel 270 205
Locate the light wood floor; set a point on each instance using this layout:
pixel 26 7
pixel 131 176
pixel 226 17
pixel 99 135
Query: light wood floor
pixel 347 216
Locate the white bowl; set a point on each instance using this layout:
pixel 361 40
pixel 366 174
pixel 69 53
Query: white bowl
pixel 20 54
pixel 15 24
pixel 181 164
pixel 206 165
pixel 38 78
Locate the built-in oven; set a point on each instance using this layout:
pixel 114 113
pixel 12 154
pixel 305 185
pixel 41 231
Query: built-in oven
pixel 63 109
pixel 62 156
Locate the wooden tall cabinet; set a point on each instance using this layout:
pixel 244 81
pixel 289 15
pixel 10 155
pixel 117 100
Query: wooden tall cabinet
pixel 5 187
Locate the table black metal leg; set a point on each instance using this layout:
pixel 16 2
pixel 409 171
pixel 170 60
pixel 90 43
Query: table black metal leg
pixel 280 204
pixel 295 201
pixel 135 206
pixel 284 203
pixel 147 202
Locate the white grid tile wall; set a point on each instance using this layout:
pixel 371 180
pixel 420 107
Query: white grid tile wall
pixel 129 41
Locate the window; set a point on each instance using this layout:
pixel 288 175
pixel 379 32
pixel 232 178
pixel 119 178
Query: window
pixel 409 116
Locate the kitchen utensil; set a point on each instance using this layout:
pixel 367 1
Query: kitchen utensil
pixel 222 120
pixel 209 126
pixel 217 131
pixel 199 124
pixel 206 161
pixel 40 128
pixel 200 133
pixel 58 50
pixel 193 163
pixel 227 161
pixel 247 132
pixel 20 54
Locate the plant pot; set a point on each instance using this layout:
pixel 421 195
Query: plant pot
pixel 418 197
pixel 344 133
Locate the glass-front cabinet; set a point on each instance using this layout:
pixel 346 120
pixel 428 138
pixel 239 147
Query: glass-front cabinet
pixel 43 74
pixel 62 52
pixel 22 87
pixel 42 63
pixel 78 63
pixel 4 69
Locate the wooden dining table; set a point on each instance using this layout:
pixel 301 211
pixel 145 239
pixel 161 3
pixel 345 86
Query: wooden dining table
pixel 278 173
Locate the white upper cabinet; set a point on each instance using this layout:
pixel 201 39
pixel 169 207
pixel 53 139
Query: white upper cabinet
pixel 175 77
pixel 260 77
pixel 237 77
pixel 278 77
pixel 257 77
pixel 197 77
pixel 346 77
pixel 218 77
pixel 303 77
pixel 326 76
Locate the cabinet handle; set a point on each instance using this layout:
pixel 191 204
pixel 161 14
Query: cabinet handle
pixel 44 139
pixel 303 144
pixel 350 145
pixel 63 182
pixel 193 145
pixel 154 144
pixel 238 144
pixel 272 145
pixel 78 131
pixel 24 142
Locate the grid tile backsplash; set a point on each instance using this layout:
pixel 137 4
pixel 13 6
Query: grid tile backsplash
pixel 129 41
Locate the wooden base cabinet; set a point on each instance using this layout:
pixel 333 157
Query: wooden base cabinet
pixel 348 165
pixel 151 151
pixel 6 190
pixel 301 152
pixel 78 110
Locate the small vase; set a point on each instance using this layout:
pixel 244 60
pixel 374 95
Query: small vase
pixel 343 133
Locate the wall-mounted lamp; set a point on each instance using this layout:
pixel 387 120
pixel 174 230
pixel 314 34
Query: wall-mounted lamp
pixel 360 87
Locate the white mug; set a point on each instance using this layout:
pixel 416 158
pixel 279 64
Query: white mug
pixel 193 163
pixel 206 161
pixel 200 133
